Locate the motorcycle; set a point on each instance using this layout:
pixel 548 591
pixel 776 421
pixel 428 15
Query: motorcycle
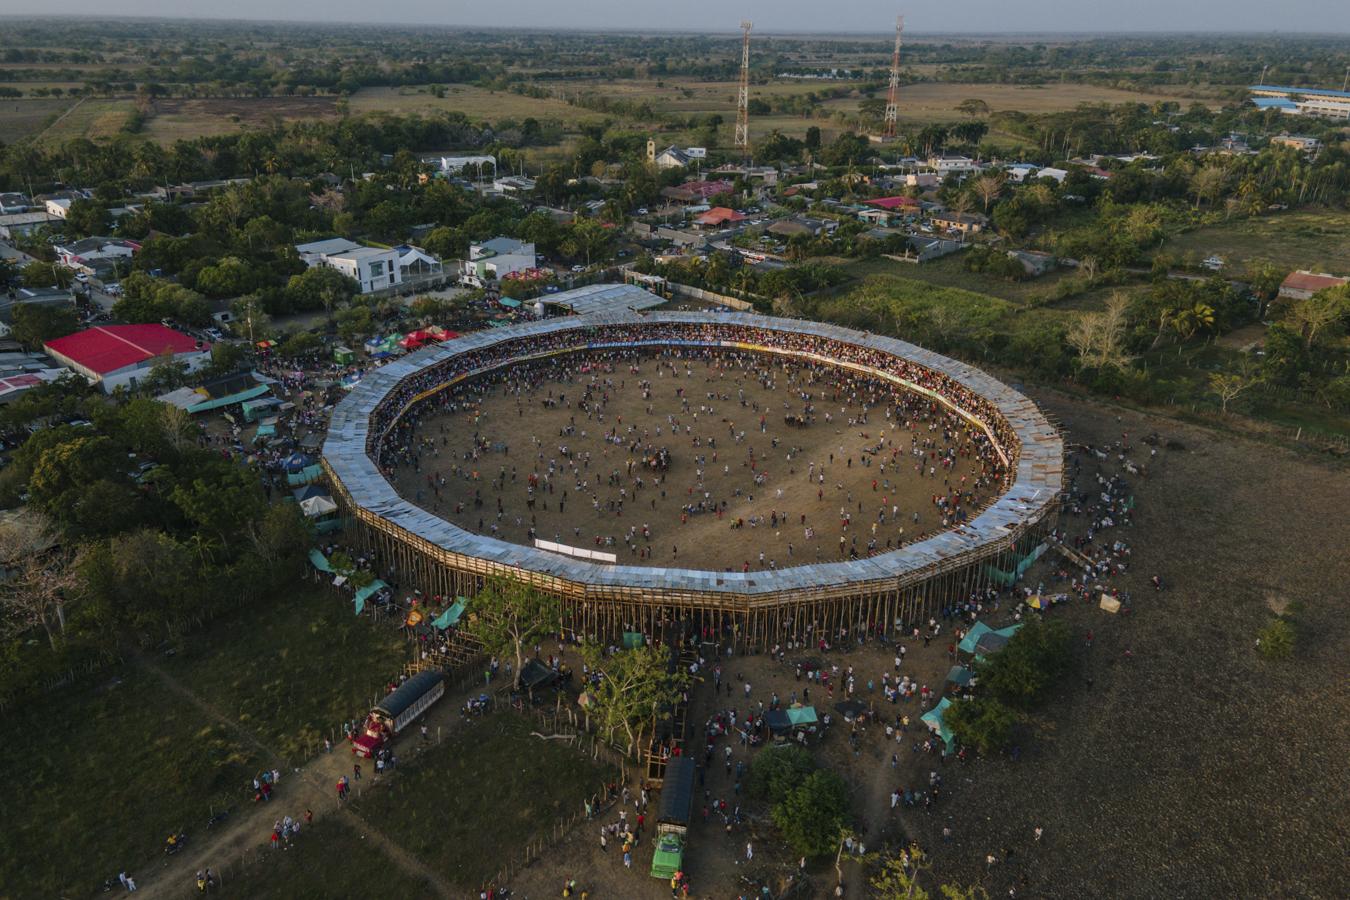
pixel 174 842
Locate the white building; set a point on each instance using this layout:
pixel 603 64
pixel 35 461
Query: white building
pixel 79 255
pixel 945 165
pixel 59 207
pixel 1302 101
pixel 373 268
pixel 370 267
pixel 495 259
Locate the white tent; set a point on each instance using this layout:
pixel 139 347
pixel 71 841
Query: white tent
pixel 318 506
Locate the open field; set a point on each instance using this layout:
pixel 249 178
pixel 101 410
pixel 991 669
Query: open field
pixel 774 480
pixel 1302 239
pixel 1207 770
pixel 22 118
pixel 950 271
pixel 127 744
pixel 475 102
pixel 183 119
pixel 292 673
pixel 467 806
pixel 111 768
pixel 94 118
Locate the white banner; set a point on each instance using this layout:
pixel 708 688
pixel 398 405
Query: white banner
pixel 579 552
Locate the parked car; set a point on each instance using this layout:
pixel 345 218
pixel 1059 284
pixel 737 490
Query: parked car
pixel 578 268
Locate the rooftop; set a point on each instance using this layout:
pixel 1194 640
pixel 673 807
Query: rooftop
pixel 1311 92
pixel 107 348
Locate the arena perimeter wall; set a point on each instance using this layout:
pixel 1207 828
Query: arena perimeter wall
pixel 890 589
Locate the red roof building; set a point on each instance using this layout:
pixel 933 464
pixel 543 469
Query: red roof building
pixel 115 355
pixel 1303 284
pixel 894 203
pixel 719 216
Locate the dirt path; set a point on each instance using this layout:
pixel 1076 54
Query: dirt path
pixel 308 787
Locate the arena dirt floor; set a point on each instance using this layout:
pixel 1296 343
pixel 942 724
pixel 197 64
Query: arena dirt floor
pixel 788 489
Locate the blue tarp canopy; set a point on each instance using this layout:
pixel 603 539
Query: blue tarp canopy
pixel 296 462
pixel 935 722
pixel 509 303
pixel 960 675
pixel 265 431
pixel 802 715
pixel 365 592
pixel 982 640
pixel 309 490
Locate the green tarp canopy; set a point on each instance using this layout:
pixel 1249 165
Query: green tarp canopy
pixel 992 639
pixel 318 560
pixel 305 475
pixel 977 631
pixel 509 303
pixel 452 615
pixel 1019 567
pixel 960 675
pixel 632 640
pixel 935 722
pixel 326 525
pixel 343 355
pixel 265 431
pixel 208 405
pixel 366 592
pixel 802 715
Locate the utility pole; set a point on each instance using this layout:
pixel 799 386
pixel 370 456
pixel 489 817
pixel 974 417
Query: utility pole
pixel 893 98
pixel 743 95
pixel 1263 73
pixel 1345 85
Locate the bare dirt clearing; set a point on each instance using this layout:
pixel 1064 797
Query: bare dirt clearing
pixel 778 481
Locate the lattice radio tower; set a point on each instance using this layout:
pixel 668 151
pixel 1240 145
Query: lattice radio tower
pixel 893 97
pixel 743 95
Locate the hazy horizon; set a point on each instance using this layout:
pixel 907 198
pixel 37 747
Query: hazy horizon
pixel 862 17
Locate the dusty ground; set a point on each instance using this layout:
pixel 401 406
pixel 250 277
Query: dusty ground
pixel 524 436
pixel 715 860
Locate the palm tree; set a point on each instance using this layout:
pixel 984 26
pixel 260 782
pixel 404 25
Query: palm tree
pixel 1191 319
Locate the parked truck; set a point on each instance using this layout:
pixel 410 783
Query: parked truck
pixel 397 711
pixel 672 817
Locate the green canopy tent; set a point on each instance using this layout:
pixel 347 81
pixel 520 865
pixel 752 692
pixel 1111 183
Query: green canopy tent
pixel 977 631
pixel 229 399
pixel 509 302
pixel 319 561
pixel 632 640
pixel 802 715
pixel 960 676
pixel 451 616
pixel 937 723
pixel 305 475
pixel 366 592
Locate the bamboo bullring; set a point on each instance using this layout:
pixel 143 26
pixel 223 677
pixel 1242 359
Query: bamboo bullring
pixel 823 600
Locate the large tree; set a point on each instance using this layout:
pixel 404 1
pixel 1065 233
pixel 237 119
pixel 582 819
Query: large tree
pixel 634 690
pixel 510 616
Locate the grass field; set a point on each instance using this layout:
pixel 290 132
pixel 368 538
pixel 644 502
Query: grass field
pixel 22 118
pixel 475 102
pixel 950 271
pixel 111 769
pixel 469 805
pixel 291 673
pixel 94 118
pixel 1303 239
pixel 178 119
pixel 130 751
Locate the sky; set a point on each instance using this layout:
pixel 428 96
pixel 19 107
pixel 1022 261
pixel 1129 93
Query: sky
pixel 872 16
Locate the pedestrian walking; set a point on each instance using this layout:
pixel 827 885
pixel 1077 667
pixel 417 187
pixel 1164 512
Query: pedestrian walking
pixel 749 852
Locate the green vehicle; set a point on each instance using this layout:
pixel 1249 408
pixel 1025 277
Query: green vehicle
pixel 672 817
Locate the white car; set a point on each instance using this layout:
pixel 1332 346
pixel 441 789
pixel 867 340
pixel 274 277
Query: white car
pixel 81 277
pixel 578 268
